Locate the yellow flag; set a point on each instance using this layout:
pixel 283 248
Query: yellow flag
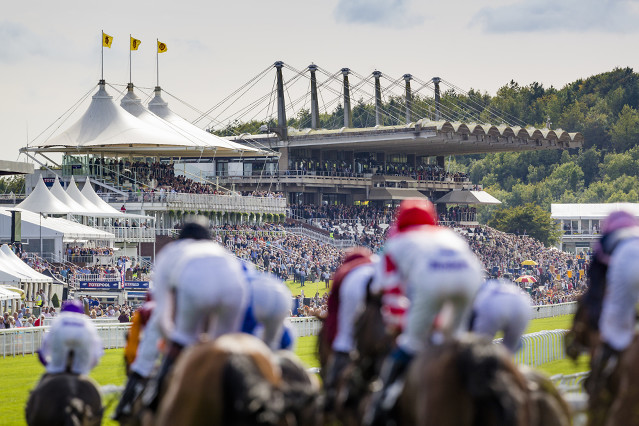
pixel 106 40
pixel 161 47
pixel 135 43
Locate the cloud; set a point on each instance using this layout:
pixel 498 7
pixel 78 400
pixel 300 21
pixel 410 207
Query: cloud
pixel 393 13
pixel 18 42
pixel 576 16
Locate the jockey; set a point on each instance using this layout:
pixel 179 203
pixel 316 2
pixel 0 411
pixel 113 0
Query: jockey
pixel 138 323
pixel 345 301
pixel 501 306
pixel 434 266
pixel 619 249
pixel 147 351
pixel 207 293
pixel 72 344
pixel 269 305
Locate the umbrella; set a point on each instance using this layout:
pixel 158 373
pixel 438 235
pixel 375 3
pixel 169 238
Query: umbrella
pixel 529 262
pixel 526 279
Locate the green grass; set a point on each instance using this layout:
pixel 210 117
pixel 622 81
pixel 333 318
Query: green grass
pixel 20 374
pixel 309 288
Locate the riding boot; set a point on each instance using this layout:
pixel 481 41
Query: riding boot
pixel 604 364
pixel 133 389
pixel 383 400
pixel 336 365
pixel 151 395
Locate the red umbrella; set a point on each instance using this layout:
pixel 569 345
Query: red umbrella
pixel 526 279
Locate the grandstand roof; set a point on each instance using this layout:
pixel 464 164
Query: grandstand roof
pixel 159 107
pixel 590 211
pixel 394 194
pixel 468 197
pixel 426 137
pixel 106 127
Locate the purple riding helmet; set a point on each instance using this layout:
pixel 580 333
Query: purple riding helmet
pixel 72 306
pixel 614 222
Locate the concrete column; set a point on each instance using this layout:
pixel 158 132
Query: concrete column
pixel 281 106
pixel 440 161
pixel 315 120
pixel 378 98
pixel 282 162
pixel 409 98
pixel 348 117
pixel 436 80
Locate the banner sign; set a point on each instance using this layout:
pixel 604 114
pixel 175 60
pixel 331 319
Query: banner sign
pixel 99 285
pixel 136 285
pixel 114 285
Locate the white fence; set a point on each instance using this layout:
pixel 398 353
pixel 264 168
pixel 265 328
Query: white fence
pixel 548 311
pixel 541 347
pixel 27 340
pixel 304 326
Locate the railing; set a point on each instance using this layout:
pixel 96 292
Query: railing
pixel 130 233
pixel 317 236
pixel 306 326
pixel 541 347
pixel 547 311
pixel 27 340
pixel 205 202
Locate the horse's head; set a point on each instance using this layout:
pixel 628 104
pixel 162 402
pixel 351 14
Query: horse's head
pixel 372 339
pixel 581 337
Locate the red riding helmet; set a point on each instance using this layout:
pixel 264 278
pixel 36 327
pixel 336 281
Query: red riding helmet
pixel 415 212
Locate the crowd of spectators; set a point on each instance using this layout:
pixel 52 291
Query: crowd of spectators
pixel 430 172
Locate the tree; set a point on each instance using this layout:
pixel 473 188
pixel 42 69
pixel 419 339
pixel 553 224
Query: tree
pixel 625 132
pixel 529 219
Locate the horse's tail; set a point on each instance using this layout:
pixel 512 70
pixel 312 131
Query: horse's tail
pixel 492 385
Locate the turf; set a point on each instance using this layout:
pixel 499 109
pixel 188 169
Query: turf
pixel 309 288
pixel 20 374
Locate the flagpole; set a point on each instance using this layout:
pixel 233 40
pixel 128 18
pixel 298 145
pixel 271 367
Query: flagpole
pixel 157 61
pixel 130 78
pixel 102 61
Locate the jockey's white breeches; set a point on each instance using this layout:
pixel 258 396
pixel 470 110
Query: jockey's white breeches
pixel 430 285
pixel 271 304
pixel 352 295
pixel 211 298
pixel 617 322
pixel 72 335
pixel 148 350
pixel 505 308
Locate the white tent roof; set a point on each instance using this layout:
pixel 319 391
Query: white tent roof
pixel 9 257
pixel 590 211
pixel 105 123
pixel 95 199
pixel 51 227
pixel 58 191
pixel 161 109
pixel 6 294
pixel 42 201
pixel 76 195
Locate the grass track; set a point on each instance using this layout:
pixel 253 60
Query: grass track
pixel 20 374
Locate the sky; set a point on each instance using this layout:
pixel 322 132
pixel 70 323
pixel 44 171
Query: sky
pixel 50 52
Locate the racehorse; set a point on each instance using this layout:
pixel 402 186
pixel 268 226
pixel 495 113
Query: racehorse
pixel 372 343
pixel 64 399
pixel 613 402
pixel 236 380
pixel 464 381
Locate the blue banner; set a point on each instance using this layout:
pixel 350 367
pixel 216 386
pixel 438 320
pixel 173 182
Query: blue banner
pixel 114 285
pixel 99 285
pixel 136 285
